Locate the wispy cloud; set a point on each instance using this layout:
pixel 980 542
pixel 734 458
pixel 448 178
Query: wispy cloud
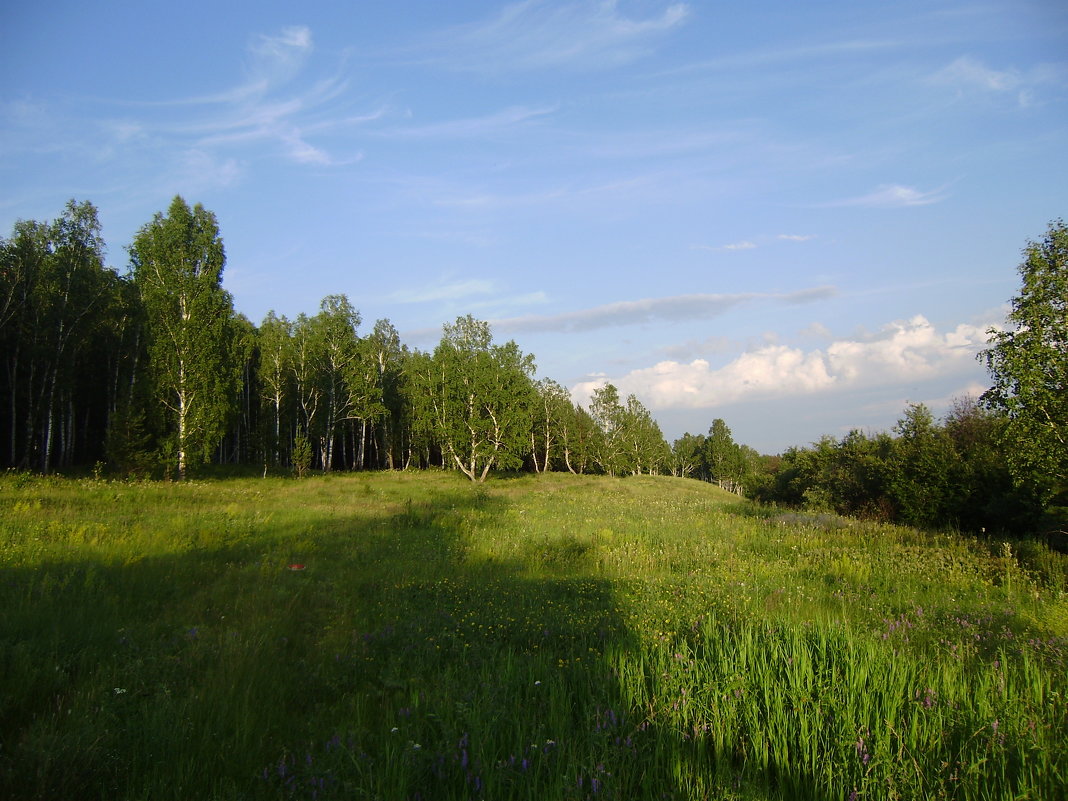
pixel 278 57
pixel 534 35
pixel 970 76
pixel 891 196
pixel 747 244
pixel 636 312
pixel 905 350
pixel 443 291
pixel 969 73
pixel 743 245
pixel 757 59
pixel 474 127
pixel 194 141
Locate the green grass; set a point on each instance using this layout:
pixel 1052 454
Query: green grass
pixel 544 637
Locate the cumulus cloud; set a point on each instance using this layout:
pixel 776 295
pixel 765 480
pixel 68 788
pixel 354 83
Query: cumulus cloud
pixel 903 351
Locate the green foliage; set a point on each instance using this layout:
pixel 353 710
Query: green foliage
pixel 687 454
pixel 608 414
pixel 718 458
pixel 177 266
pixel 922 460
pixel 625 438
pixel 60 314
pixel 929 475
pixel 275 342
pixel 480 398
pixel 1029 367
pixel 189 381
pixel 302 454
pixel 581 439
pixel 551 425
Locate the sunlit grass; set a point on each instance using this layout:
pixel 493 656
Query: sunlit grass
pixel 540 637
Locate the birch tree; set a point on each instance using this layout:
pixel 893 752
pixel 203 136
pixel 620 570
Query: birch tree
pixel 336 343
pixel 608 413
pixel 307 377
pixel 54 292
pixel 388 355
pixel 178 262
pixel 276 356
pixel 550 423
pixel 481 398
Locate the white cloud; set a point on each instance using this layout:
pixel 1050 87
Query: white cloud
pixel 198 170
pixel 969 73
pixel 540 35
pixel 796 237
pixel 279 57
pixel 893 196
pixel 743 245
pixel 970 76
pixel 816 330
pixel 461 289
pixel 476 126
pixel 904 351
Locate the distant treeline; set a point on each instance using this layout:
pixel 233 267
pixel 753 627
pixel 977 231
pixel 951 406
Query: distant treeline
pixel 152 373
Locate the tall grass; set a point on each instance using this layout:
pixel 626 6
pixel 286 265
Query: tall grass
pixel 542 637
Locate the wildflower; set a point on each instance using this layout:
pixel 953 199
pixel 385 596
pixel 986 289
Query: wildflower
pixel 862 751
pixel 119 690
pixel 394 730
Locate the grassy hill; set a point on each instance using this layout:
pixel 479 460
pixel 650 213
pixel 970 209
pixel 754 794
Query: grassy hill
pixel 543 637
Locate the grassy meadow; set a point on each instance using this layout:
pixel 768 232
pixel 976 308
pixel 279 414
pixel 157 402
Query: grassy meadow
pixel 540 637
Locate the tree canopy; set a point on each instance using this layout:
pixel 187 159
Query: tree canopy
pixel 178 264
pixel 1028 363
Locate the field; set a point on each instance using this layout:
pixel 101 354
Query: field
pixel 542 637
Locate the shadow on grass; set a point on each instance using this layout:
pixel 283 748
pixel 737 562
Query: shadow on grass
pixel 394 665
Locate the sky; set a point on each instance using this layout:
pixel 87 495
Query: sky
pixel 796 217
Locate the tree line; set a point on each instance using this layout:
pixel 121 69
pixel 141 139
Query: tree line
pixel 153 372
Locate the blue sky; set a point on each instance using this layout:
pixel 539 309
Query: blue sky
pixel 798 217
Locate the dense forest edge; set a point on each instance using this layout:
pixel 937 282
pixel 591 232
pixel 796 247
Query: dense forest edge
pixel 152 374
